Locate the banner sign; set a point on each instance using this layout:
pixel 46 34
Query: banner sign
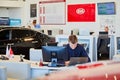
pixel 81 13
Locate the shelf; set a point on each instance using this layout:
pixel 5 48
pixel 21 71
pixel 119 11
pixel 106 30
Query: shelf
pixel 11 3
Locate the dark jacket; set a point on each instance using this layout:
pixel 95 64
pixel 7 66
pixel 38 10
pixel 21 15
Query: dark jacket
pixel 79 51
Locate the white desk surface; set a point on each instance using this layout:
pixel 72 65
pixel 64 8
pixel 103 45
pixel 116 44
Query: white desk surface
pixel 34 64
pixel 36 70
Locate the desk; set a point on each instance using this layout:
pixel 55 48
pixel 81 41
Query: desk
pixel 35 70
pixel 16 69
pixel 3 72
pixel 39 71
pixel 116 57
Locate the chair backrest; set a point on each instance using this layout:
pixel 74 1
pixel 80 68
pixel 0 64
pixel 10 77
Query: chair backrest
pixel 17 70
pixel 3 73
pixel 52 43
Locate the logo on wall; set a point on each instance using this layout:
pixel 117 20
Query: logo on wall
pixel 81 13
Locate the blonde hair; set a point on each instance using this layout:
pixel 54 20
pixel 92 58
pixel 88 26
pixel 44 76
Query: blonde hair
pixel 106 29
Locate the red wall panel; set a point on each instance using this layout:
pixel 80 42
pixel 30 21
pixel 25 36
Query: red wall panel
pixel 81 13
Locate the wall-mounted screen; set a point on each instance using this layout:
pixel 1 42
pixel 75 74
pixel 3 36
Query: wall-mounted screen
pixel 106 8
pixel 4 21
pixel 15 22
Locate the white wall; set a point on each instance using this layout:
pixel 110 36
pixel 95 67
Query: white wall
pixel 24 13
pixel 92 26
pixel 11 3
pixel 27 9
pixel 4 12
pixel 13 9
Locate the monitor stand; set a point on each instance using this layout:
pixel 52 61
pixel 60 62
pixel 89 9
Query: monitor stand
pixel 53 62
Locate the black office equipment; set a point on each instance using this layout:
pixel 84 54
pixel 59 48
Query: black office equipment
pixel 103 33
pixel 55 54
pixel 52 43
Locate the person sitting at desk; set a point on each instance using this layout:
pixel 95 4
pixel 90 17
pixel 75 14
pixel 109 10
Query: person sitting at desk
pixel 74 49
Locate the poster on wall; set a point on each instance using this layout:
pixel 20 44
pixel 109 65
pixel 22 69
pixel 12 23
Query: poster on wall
pixel 52 13
pixel 81 13
pixel 33 10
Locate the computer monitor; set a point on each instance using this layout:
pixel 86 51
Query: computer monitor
pixel 58 52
